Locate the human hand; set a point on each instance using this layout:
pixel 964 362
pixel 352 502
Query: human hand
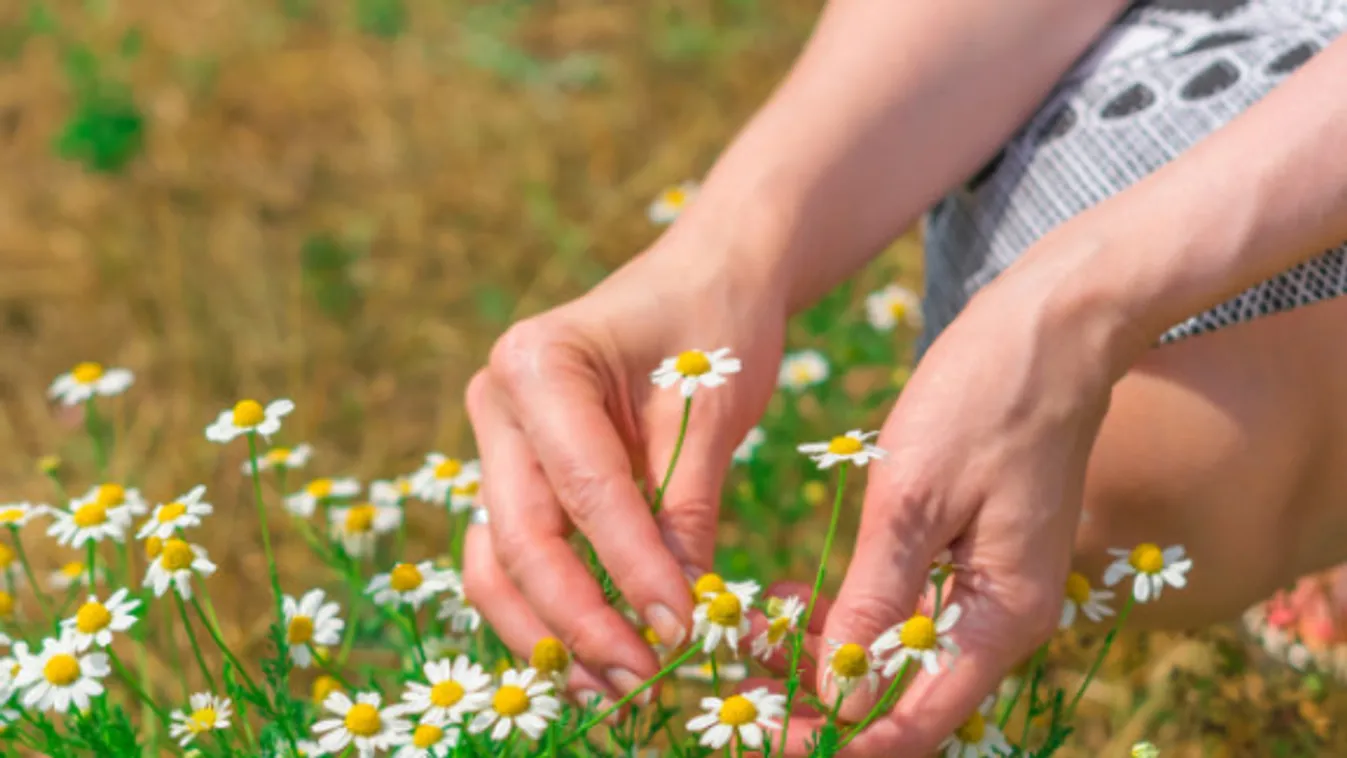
pixel 566 419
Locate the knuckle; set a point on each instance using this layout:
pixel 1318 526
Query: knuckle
pixel 516 353
pixel 478 392
pixel 585 634
pixel 867 615
pixel 585 493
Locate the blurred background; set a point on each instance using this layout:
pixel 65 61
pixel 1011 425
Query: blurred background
pixel 345 201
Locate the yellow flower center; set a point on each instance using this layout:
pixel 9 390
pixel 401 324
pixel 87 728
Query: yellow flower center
pixel 404 486
pixel 153 547
pixel 708 584
pixel 6 555
pixel 6 603
pixel 738 710
pixel 549 656
pixel 278 455
pixel 92 617
pixel 49 464
pixel 202 720
pixel 510 700
pixel 651 637
pixel 446 694
pixel 319 488
pixel 692 363
pixel 62 670
pixel 176 555
pixel 300 631
pixel 11 515
pixel 363 720
pixel 404 577
pixel 802 373
pixel 448 468
pixel 845 445
pixel 248 413
pixel 323 686
pixel 898 309
pixel 111 495
pixel 814 492
pixel 725 610
pixel 91 514
pixel 427 735
pixel 1147 558
pixel 972 730
pixel 72 570
pixel 360 519
pixel 467 489
pixel 675 197
pixel 87 373
pixel 850 661
pixel 918 633
pixel 1077 588
pixel 171 511
pixel 776 630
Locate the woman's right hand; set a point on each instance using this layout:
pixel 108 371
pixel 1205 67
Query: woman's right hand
pixel 567 420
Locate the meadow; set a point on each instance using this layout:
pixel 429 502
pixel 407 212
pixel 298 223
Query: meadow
pixel 343 204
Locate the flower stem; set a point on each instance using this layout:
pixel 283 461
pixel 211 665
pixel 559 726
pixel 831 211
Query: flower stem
pixel 92 426
pixel 1030 673
pixel 891 695
pixel 673 459
pixel 91 558
pixel 715 675
pixel 262 520
pixel 219 642
pixel 326 665
pixel 1099 659
pixel 410 613
pixel 191 637
pixel 28 571
pixel 630 696
pixel 793 675
pixel 135 687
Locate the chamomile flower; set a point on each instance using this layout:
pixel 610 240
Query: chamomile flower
pixel 427 741
pixel 284 458
pixel 849 666
pixel 888 307
pixel 437 478
pixel 1145 749
pixel 462 616
pixel 551 660
pixel 304 502
pixel 691 369
pixel 390 491
pixel 249 417
pixel 671 201
pixel 182 513
pixel 746 716
pixel 1081 598
pixel 310 621
pixel 852 447
pixel 88 379
pixel 96 620
pixel 358 526
pixel 178 561
pixel 1154 568
pixel 409 583
pixel 721 614
pixel 19 514
pixel 976 738
pixel 453 691
pixel 783 616
pixel 463 495
pixel 308 749
pixel 7 605
pixel 920 638
pixel 72 573
pixel 91 520
pixel 728 672
pixel 114 496
pixel 60 675
pixel 361 722
pixel 750 444
pixel 523 701
pixel 801 370
pixel 207 713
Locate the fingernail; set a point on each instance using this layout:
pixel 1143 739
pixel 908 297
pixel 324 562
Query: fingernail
pixel 670 630
pixel 592 700
pixel 627 682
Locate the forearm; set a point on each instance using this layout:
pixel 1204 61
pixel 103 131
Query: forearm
pixel 890 105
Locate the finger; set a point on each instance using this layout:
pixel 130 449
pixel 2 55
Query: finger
pixel 527 530
pixel 560 404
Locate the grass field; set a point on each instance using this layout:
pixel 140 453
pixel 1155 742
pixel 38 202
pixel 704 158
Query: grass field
pixel 345 202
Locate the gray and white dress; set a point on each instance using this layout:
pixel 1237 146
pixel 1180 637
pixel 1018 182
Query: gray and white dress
pixel 1167 74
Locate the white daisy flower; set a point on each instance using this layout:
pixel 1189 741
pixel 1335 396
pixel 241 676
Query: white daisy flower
pixel 74 573
pixel 1145 750
pixel 1154 568
pixel 114 496
pixel 745 716
pixel 920 638
pixel 281 458
pixel 428 741
pixel 309 749
pixel 851 447
pixel 455 690
pixel 440 475
pixel 207 713
pixel 783 617
pixel 1080 598
pixel 463 495
pixel 89 520
pixel 87 380
pixel 372 729
pixel 248 416
pixel 977 738
pixel 801 370
pixel 307 500
pixel 178 561
pixel 357 527
pixel 729 672
pixel 462 616
pixel 523 701
pixel 95 621
pixel 671 201
pixel 60 676
pixel 750 444
pixel 310 621
pixel 19 514
pixel 721 615
pixel 551 660
pixel 694 368
pixel 390 491
pixel 410 583
pixel 182 513
pixel 849 665
pixel 891 305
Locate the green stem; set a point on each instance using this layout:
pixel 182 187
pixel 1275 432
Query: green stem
pixel 191 637
pixel 1029 673
pixel 715 675
pixel 92 427
pixel 135 687
pixel 262 520
pixel 837 707
pixel 28 571
pixel 1099 659
pixel 219 642
pixel 890 695
pixel 673 459
pixel 91 558
pixel 326 665
pixel 630 696
pixel 410 613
